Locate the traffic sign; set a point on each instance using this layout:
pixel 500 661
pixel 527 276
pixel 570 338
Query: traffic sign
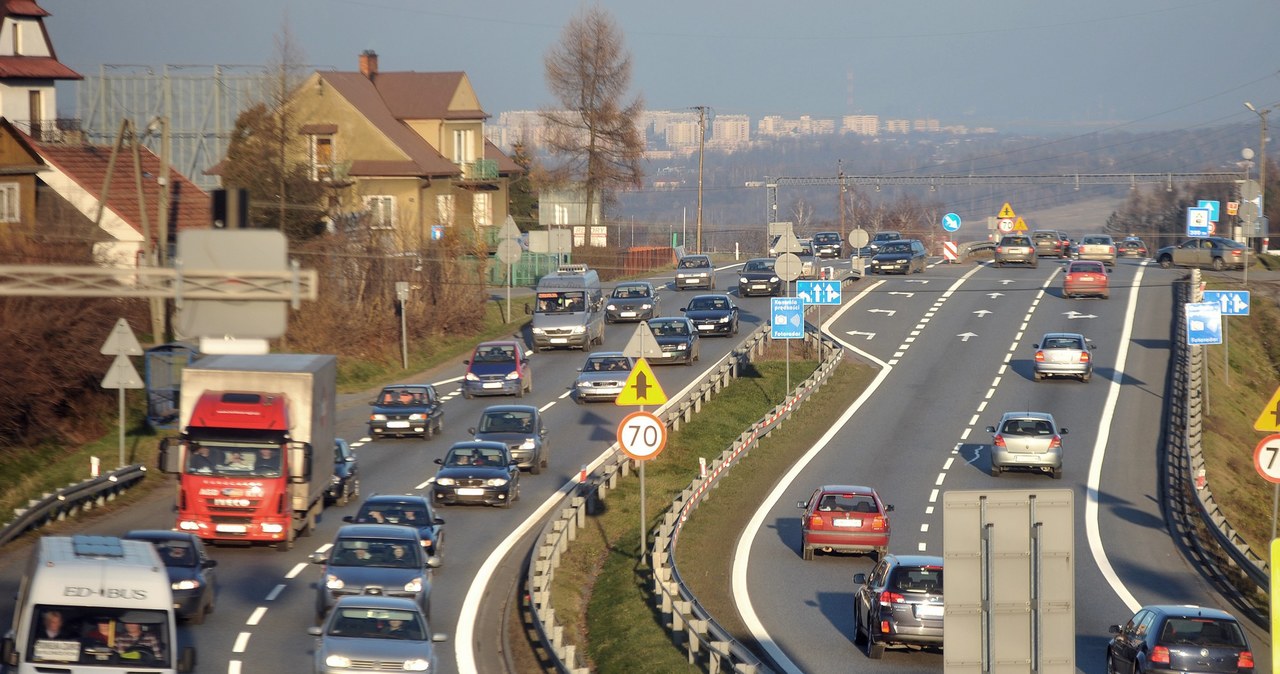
pixel 818 292
pixel 642 388
pixel 1019 225
pixel 1231 302
pixel 1006 225
pixel 788 267
pixel 950 251
pixel 1198 222
pixel 1233 207
pixel 1006 212
pixel 122 374
pixel 786 316
pixel 858 237
pixel 787 243
pixel 642 435
pixel 1269 420
pixel 642 343
pixel 1204 323
pixel 951 222
pixel 1266 458
pixel 1213 206
pixel 121 342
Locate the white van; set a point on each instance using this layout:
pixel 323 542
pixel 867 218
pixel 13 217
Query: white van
pixel 569 309
pixel 94 604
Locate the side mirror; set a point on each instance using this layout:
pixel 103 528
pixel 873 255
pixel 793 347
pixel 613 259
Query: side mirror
pixel 888 508
pixel 1062 431
pixel 1114 629
pixel 438 520
pixel 439 461
pixel 348 518
pixel 318 558
pixel 471 431
pixel 528 352
pixel 466 362
pixel 433 562
pixel 209 563
pixel 860 578
pixel 314 631
pixel 991 429
pixel 528 310
pixel 683 309
pixel 802 504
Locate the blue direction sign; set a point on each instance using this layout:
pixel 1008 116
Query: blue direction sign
pixel 951 222
pixel 1198 222
pixel 786 318
pixel 1204 323
pixel 1213 207
pixel 818 292
pixel 1230 302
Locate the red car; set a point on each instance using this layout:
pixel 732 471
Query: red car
pixel 844 518
pixel 1086 277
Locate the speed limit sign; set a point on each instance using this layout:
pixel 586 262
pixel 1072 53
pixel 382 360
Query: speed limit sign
pixel 1266 458
pixel 642 435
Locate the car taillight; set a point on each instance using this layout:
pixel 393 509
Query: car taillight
pixel 1111 249
pixel 1039 356
pixel 1160 654
pixel 999 249
pixel 1056 442
pixel 888 597
pixel 999 441
pixel 1245 661
pixel 1084 356
pixel 877 523
pixel 1237 253
pixel 815 521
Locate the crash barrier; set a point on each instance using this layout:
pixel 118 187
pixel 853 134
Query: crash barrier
pixel 71 500
pixel 703 639
pixel 1185 437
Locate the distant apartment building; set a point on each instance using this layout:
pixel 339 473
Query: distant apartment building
pixel 926 125
pixel 777 126
pixel 520 126
pixel 897 126
pixel 731 130
pixel 682 134
pixel 863 125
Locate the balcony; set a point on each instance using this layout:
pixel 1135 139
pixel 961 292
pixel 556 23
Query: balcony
pixel 52 130
pixel 480 169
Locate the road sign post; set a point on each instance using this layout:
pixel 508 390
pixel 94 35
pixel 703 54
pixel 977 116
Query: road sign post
pixel 1230 303
pixel 121 343
pixel 642 436
pixel 1266 458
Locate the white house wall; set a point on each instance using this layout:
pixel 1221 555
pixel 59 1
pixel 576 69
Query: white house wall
pixel 126 241
pixel 30 40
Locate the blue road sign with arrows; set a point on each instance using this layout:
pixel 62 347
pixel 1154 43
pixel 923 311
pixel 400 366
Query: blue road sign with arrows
pixel 818 292
pixel 1231 302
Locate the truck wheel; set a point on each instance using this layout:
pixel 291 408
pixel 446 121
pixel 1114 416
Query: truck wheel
pixel 309 527
pixel 285 545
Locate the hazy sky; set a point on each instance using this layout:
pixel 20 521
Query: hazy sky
pixel 1066 66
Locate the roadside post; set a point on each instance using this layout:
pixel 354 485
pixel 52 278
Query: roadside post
pixel 509 253
pixel 642 435
pixel 121 343
pixel 1231 303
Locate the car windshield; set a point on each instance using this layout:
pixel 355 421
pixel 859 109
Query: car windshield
pixel 375 552
pixel 1015 241
pixel 607 364
pixel 896 248
pixel 847 503
pixel 806 248
pixel 631 292
pixel 1102 240
pixel 176 553
pixel 377 623
pixel 1202 632
pixel 506 422
pixel 1086 268
pixel 917 579
pixel 474 456
pixel 758 265
pixel 238 460
pixel 709 304
pixel 130 639
pixel 406 514
pixel 669 329
pixel 566 302
pixel 1027 427
pixel 694 262
pixel 887 236
pixel 826 238
pixel 496 354
pixel 402 396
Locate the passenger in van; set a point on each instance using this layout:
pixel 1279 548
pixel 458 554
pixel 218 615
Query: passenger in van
pixel 102 633
pixel 577 304
pixel 53 626
pixel 135 639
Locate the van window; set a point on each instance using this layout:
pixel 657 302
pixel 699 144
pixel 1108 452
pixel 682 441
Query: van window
pixel 132 638
pixel 561 302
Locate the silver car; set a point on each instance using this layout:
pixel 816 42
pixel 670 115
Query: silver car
pixel 371 633
pixel 1064 354
pixel 1027 440
pixel 695 271
pixel 602 376
pixel 1098 247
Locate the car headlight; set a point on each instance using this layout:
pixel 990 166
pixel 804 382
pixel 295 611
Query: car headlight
pixel 538 331
pixel 496 482
pixel 337 661
pixel 681 347
pixel 744 280
pixel 726 318
pixel 377 417
pixel 527 444
pixel 333 582
pixel 414 585
pixel 417 416
pixel 445 481
pixel 186 585
pixel 579 329
pixel 646 306
pixel 773 279
pixel 584 384
pixel 513 375
pixel 611 307
pixel 472 377
pixel 702 274
pixel 416 665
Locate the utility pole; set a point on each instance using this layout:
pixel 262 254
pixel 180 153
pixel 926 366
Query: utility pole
pixel 702 135
pixel 840 193
pixel 1262 163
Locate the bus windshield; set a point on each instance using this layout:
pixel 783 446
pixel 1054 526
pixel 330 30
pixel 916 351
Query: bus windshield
pixel 561 302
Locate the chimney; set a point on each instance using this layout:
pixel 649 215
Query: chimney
pixel 369 63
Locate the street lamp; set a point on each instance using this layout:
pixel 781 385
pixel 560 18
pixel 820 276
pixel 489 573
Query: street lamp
pixel 1262 161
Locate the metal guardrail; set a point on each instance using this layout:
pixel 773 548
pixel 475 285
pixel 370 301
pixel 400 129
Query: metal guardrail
pixel 71 500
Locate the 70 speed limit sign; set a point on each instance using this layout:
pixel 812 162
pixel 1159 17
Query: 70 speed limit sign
pixel 1266 458
pixel 642 435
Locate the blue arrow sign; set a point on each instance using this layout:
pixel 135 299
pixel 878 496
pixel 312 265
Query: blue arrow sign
pixel 786 318
pixel 1230 302
pixel 818 292
pixel 951 222
pixel 1213 207
pixel 1204 323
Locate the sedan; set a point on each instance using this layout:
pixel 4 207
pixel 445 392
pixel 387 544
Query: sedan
pixel 1098 247
pixel 1214 252
pixel 477 472
pixel 1016 249
pixel 498 368
pixel 1163 638
pixel 345 482
pixel 520 428
pixel 1132 247
pixel 900 603
pixel 406 409
pixel 905 256
pixel 695 271
pixel 632 301
pixel 371 633
pixel 602 376
pixel 406 510
pixel 713 314
pixel 1027 440
pixel 759 277
pixel 367 558
pixel 1085 277
pixel 1064 354
pixel 190 570
pixel 678 339
pixel 844 518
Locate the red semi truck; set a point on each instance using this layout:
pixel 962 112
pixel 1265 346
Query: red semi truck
pixel 254 455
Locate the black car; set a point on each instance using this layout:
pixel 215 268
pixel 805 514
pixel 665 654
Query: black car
pixel 713 314
pixel 409 510
pixel 406 409
pixel 904 593
pixel 632 301
pixel 878 239
pixel 345 483
pixel 828 244
pixel 904 256
pixel 520 428
pixel 190 570
pixel 477 472
pixel 678 339
pixel 1164 638
pixel 759 277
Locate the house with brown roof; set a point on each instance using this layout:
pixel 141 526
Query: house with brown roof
pixel 406 150
pixel 29 68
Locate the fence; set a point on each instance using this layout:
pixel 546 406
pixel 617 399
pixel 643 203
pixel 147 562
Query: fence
pixel 70 500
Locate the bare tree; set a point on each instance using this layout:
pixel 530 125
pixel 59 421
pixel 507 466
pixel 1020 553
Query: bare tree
pixel 595 132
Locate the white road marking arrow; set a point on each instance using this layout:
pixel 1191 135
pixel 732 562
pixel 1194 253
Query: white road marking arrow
pixel 854 333
pixel 883 311
pixel 1006 281
pixel 1072 315
pixel 994 295
pixel 917 280
pixel 982 313
pixel 900 292
pixel 964 336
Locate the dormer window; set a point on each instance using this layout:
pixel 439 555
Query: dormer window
pixel 322 158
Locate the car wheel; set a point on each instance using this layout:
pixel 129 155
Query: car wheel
pixel 875 649
pixel 1084 378
pixel 806 552
pixel 996 470
pixel 429 431
pixel 197 618
pixel 1036 376
pixel 440 425
pixel 1216 264
pixel 466 394
pixel 735 328
pixel 880 553
pixel 535 468
pixel 1035 265
pixel 520 390
pixel 998 264
pixel 1057 473
pixel 1166 261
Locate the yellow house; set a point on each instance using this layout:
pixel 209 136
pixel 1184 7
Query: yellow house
pixel 405 149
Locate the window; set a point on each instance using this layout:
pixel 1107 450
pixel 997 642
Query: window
pixel 444 209
pixel 462 147
pixel 382 211
pixel 322 158
pixel 481 215
pixel 10 210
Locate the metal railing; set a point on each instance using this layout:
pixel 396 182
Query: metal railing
pixel 71 500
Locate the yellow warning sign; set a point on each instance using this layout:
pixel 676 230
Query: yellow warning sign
pixel 1269 420
pixel 1019 225
pixel 1006 211
pixel 642 388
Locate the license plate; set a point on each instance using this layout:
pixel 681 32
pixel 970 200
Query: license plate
pixel 470 491
pixel 759 287
pixel 488 384
pixel 706 327
pixel 231 528
pixel 929 611
pixel 559 340
pixel 627 314
pixel 670 354
pixel 1027 458
pixel 397 424
pixel 846 523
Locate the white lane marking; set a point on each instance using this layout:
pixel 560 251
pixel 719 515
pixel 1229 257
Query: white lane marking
pixel 933 495
pixel 974 420
pixel 256 616
pixel 892 362
pixel 564 395
pixel 928 510
pixel 546 407
pixel 982 406
pixel 924 528
pixel 920 546
pixel 899 354
pixel 233 667
pixel 964 435
pixel 293 573
pixel 275 592
pixel 423 485
pixel 242 642
pixel 947 465
pixel 1100 452
pixel 990 392
pixel 995 383
pixel 941 477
